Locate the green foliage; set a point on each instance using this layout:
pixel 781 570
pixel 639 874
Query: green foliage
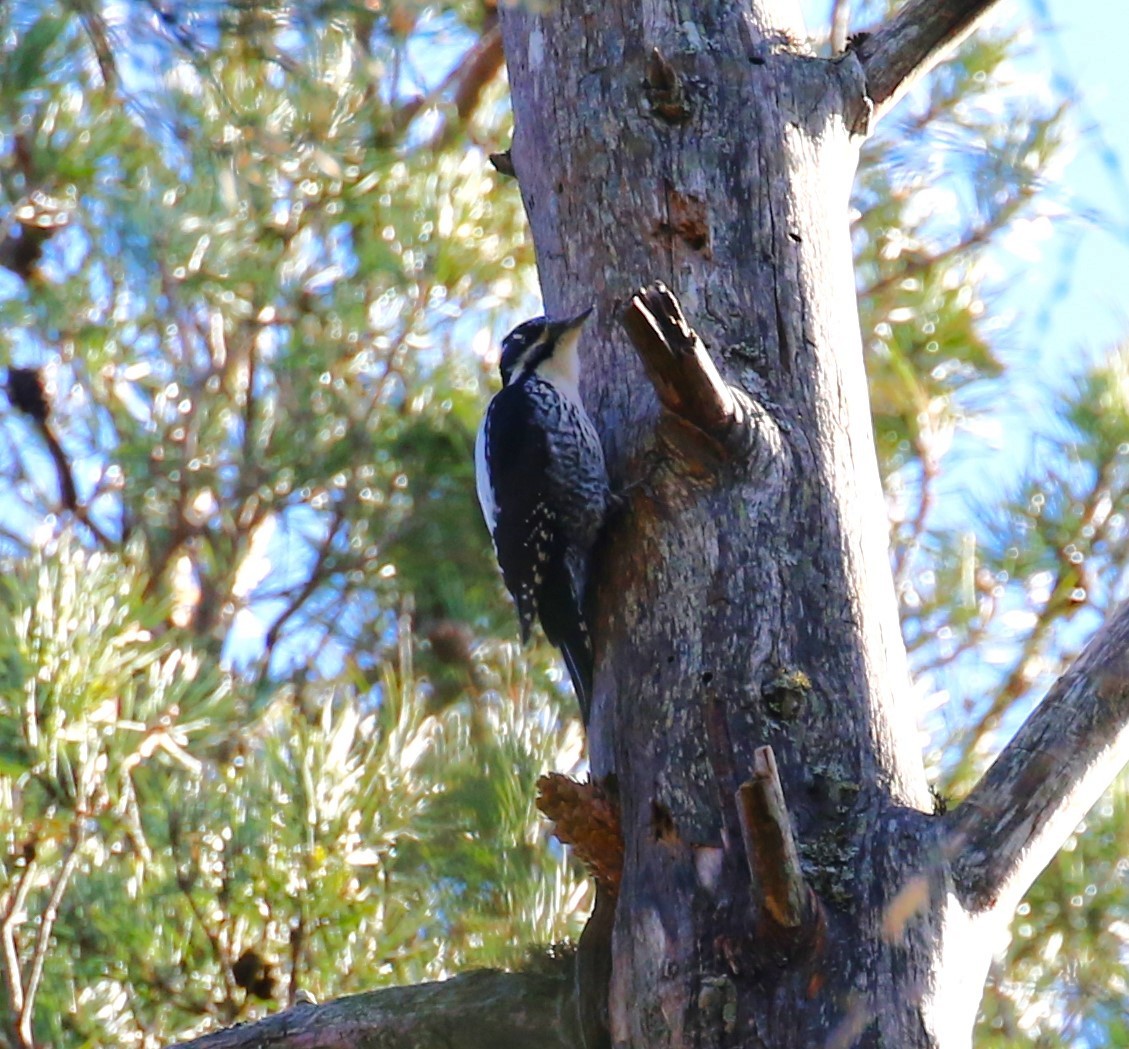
pixel 1064 980
pixel 938 185
pixel 997 597
pixel 348 837
pixel 256 309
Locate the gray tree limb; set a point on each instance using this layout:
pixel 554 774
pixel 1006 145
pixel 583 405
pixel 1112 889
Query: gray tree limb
pixel 1048 777
pixel 485 1009
pixel 912 42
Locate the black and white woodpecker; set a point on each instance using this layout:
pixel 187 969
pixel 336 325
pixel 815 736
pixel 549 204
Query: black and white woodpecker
pixel 543 487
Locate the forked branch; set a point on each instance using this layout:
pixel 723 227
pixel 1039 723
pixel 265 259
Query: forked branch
pixel 911 43
pixel 1048 777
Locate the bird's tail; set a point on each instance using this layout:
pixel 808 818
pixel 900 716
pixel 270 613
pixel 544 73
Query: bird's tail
pixel 579 661
pixel 564 624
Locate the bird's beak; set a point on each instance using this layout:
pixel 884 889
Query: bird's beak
pixel 559 328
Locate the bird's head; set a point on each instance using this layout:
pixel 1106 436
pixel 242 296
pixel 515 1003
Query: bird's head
pixel 534 342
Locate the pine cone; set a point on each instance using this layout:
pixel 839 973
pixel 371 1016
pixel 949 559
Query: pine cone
pixel 586 817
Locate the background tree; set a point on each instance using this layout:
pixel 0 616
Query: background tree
pixel 259 257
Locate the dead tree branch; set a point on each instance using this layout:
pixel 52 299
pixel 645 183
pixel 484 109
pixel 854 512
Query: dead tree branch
pixel 685 377
pixel 477 1010
pixel 840 21
pixel 911 43
pixel 1048 777
pixel 770 847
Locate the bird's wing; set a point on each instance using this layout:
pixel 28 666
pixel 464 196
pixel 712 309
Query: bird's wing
pixel 526 535
pixel 482 480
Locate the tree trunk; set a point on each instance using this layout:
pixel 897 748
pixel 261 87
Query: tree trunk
pixel 742 600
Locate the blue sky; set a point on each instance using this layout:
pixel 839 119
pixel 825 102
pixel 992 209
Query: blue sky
pixel 1059 292
pixel 1067 296
pixel 1086 55
pixel 1063 299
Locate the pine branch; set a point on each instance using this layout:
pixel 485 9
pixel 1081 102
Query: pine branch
pixel 43 940
pixel 14 915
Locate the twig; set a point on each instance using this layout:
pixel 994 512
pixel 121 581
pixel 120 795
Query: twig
pixel 99 40
pixel 503 163
pixel 929 474
pixel 314 579
pixel 218 950
pixel 43 939
pixel 28 395
pixel 1066 580
pixel 67 494
pixel 479 66
pixel 12 918
pixel 920 262
pixel 297 948
pixel 911 43
pixel 770 846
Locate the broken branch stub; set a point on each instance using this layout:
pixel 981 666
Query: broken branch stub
pixel 685 377
pixel 770 847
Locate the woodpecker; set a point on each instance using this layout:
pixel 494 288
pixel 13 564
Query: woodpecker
pixel 543 487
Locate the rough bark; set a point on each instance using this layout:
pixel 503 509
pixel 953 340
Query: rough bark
pixel 758 601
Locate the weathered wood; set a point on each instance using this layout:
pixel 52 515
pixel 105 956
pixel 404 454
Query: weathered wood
pixel 912 42
pixel 747 601
pixel 687 380
pixel 1046 779
pixel 479 1010
pixel 739 582
pixel 770 847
